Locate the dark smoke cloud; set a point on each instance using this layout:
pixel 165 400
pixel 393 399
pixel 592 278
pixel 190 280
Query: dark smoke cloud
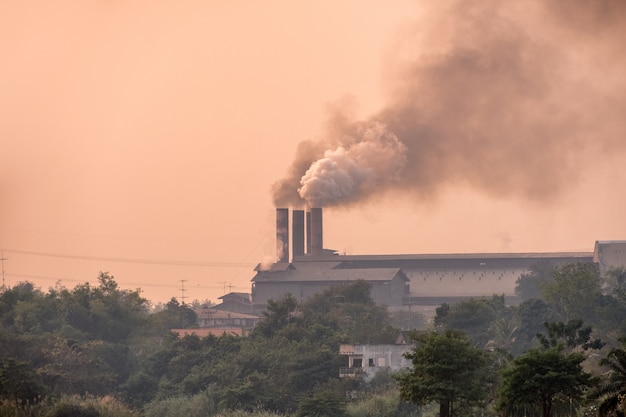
pixel 511 99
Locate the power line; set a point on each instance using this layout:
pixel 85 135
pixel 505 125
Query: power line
pixel 134 260
pixel 121 283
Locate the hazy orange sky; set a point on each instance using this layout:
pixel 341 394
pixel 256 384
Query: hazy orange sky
pixel 144 138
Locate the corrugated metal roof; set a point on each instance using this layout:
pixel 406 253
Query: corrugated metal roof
pixel 520 255
pixel 279 266
pixel 460 261
pixel 221 314
pixel 322 274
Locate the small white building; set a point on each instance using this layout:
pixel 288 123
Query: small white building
pixel 368 360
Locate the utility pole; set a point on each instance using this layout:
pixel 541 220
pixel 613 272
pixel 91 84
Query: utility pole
pixel 2 259
pixel 182 291
pixel 227 284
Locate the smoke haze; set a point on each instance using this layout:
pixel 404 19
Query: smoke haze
pixel 140 137
pixel 513 99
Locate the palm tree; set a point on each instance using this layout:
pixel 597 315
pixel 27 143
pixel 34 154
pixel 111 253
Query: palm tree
pixel 504 331
pixel 611 392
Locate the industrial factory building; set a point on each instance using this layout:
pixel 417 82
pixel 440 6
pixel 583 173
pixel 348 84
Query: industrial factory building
pixel 421 282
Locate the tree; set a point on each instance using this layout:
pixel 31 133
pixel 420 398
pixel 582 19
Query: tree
pixel 504 333
pixel 532 314
pixel 571 335
pixel 77 368
pixel 611 315
pixel 529 285
pixel 611 392
pixel 574 291
pixel 324 402
pixel 473 317
pixel 19 381
pixel 539 377
pixel 616 277
pixel 350 309
pixel 277 316
pixel 292 352
pixel 447 369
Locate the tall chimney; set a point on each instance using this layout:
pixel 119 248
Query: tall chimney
pixel 297 225
pixel 282 234
pixel 316 231
pixel 308 232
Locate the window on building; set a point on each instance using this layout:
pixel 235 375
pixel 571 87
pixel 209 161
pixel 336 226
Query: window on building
pixel 371 362
pixel 357 363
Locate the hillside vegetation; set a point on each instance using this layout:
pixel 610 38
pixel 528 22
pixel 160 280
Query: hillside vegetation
pixel 102 351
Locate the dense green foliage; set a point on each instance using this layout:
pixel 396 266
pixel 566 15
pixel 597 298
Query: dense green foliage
pixel 611 392
pixel 105 341
pixel 77 349
pixel 530 284
pixel 474 317
pixel 573 293
pixel 540 377
pixel 67 406
pixel 447 369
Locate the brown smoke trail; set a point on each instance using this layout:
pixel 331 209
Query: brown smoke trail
pixel 509 98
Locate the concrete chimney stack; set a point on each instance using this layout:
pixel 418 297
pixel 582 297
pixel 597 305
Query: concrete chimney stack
pixel 308 232
pixel 317 244
pixel 297 226
pixel 282 235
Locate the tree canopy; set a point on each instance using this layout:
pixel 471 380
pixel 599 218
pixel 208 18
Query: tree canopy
pixel 539 377
pixel 611 392
pixel 446 369
pixel 107 341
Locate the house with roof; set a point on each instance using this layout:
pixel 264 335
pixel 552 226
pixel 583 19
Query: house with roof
pixel 367 360
pixel 236 302
pixel 217 332
pixel 209 317
pixel 302 280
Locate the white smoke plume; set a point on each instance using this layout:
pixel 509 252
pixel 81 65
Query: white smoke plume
pixel 357 169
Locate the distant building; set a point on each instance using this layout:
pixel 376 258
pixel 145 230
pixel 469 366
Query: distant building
pixel 417 282
pixel 610 254
pixel 449 278
pixel 304 279
pixel 209 317
pixel 368 360
pixel 236 302
pixel 217 332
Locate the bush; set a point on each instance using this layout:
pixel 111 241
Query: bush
pixel 382 405
pixel 73 410
pixel 199 405
pixel 67 406
pixel 23 408
pixel 323 403
pixel 240 413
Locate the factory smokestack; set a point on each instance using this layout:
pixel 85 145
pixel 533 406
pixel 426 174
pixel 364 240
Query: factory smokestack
pixel 282 235
pixel 316 231
pixel 308 232
pixel 297 225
